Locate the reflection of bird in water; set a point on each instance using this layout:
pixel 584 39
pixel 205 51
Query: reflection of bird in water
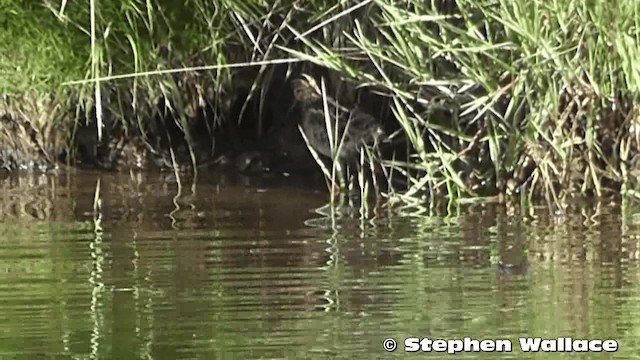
pixel 355 128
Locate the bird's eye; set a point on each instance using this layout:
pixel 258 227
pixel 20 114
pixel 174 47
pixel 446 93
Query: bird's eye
pixel 299 89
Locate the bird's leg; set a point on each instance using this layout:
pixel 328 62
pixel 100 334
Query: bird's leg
pixel 352 178
pixel 338 186
pixel 374 169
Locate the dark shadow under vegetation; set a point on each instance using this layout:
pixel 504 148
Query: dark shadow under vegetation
pixel 477 100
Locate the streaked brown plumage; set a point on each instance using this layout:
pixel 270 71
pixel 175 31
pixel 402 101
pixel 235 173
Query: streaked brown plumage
pixel 357 127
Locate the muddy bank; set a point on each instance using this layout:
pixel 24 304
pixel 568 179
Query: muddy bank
pixel 249 131
pixel 234 130
pixel 251 126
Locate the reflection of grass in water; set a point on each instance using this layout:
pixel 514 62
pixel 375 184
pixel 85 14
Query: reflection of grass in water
pixel 41 249
pixel 44 282
pixel 248 310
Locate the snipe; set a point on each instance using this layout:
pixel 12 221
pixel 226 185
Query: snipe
pixel 355 128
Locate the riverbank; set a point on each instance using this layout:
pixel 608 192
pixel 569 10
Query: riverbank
pixel 536 98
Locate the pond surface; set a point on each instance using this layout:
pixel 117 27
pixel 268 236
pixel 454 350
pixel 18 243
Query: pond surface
pixel 232 268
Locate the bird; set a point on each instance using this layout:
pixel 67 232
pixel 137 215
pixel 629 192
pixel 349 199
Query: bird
pixel 355 128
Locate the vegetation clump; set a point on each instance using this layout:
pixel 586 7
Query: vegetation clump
pixel 483 97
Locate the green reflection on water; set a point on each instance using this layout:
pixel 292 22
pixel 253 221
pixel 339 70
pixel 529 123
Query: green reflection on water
pixel 242 277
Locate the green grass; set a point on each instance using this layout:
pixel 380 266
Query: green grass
pixel 543 83
pixel 536 97
pixel 38 52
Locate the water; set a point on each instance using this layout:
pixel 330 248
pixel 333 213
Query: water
pixel 239 269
